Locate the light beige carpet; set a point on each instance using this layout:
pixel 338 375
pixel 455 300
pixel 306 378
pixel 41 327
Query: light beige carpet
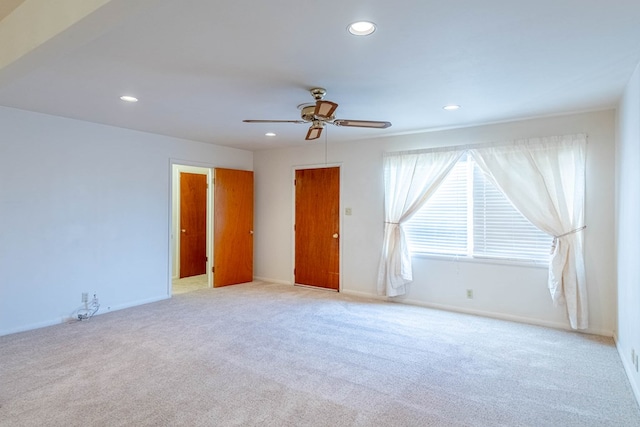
pixel 275 355
pixel 189 284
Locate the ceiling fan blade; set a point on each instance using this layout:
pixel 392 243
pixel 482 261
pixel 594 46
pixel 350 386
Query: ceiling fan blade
pixel 274 121
pixel 362 124
pixel 314 133
pixel 325 109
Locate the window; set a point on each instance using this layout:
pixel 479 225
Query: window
pixel 468 216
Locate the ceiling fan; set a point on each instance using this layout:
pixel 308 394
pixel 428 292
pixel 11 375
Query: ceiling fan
pixel 322 112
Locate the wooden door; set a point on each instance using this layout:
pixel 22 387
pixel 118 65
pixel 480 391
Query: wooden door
pixel 193 224
pixel 233 227
pixel 317 227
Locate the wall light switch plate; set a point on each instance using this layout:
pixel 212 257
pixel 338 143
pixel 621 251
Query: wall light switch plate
pixel 347 211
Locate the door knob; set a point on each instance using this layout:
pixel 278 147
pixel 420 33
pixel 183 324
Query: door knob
pixel 183 230
pixel 335 235
pixel 250 231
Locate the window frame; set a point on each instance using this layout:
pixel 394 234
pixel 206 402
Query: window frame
pixel 469 256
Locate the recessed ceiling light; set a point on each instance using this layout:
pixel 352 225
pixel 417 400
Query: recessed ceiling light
pixel 270 134
pixel 128 98
pixel 451 107
pixel 361 28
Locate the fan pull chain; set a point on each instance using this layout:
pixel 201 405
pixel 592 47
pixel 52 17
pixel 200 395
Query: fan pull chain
pixel 326 138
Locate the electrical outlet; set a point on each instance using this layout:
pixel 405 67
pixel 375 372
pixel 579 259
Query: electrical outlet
pixel 85 297
pixel 470 293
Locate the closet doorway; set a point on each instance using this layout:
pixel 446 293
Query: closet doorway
pixel 317 227
pixel 191 228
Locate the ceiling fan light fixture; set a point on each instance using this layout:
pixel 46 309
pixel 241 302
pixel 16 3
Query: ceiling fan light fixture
pixel 361 28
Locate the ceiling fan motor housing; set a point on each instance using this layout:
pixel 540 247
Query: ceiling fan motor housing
pixel 308 113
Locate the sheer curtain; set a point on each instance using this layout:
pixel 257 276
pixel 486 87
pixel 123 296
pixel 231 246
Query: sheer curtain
pixel 544 178
pixel 410 178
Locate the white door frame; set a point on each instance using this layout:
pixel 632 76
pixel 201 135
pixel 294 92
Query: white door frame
pixel 176 167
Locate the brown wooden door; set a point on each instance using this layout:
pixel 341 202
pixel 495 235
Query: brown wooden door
pixel 317 227
pixel 233 227
pixel 193 224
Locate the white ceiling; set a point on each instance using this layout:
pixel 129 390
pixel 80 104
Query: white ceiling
pixel 200 67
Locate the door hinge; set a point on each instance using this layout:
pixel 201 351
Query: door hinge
pixel 294 227
pixel 295 182
pixel 213 269
pixel 206 259
pixel 294 271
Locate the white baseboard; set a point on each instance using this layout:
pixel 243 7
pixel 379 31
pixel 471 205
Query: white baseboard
pixel 509 317
pixel 109 309
pixel 67 318
pixel 630 370
pixel 32 326
pixel 490 314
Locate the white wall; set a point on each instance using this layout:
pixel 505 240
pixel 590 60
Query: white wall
pixel 85 208
pixel 628 227
pixel 518 293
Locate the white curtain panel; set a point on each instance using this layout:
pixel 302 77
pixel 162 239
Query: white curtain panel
pixel 410 178
pixel 544 178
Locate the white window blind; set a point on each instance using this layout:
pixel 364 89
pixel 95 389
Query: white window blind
pixel 441 226
pixel 469 216
pixel 499 230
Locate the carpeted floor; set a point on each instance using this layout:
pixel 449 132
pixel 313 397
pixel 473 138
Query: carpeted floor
pixel 275 355
pixel 189 284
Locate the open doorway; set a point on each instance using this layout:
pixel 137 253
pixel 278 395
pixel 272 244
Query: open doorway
pixel 191 228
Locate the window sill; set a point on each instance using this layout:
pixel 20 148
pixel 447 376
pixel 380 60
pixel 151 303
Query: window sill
pixel 478 260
